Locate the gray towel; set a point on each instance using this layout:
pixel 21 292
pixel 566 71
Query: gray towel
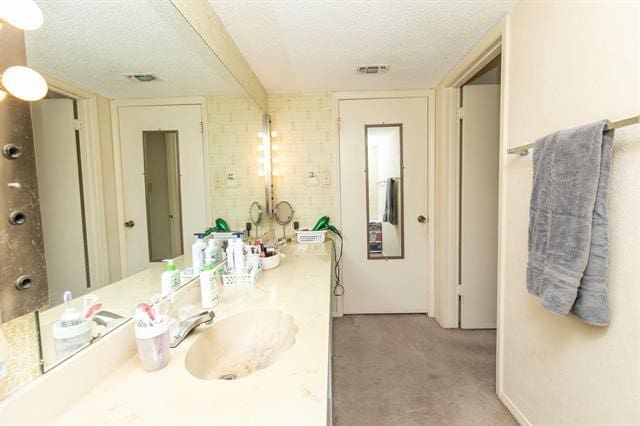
pixel 568 223
pixel 391 204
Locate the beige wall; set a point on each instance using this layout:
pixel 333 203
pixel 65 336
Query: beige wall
pixel 572 63
pixel 233 125
pixel 307 140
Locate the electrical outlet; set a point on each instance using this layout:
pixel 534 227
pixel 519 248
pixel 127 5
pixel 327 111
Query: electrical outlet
pixel 326 179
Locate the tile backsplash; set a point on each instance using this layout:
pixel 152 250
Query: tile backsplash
pixel 307 144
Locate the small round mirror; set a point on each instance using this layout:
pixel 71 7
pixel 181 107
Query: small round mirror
pixel 255 213
pixel 283 213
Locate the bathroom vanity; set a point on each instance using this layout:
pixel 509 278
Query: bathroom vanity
pixel 294 389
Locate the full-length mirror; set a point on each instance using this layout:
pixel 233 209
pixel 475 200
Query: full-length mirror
pixel 385 222
pixel 144 139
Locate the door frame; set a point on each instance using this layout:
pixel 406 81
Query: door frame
pixel 495 42
pixel 116 104
pixel 429 96
pixel 93 194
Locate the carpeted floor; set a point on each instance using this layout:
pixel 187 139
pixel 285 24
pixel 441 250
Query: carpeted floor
pixel 405 370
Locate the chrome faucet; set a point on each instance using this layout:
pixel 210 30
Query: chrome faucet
pixel 187 326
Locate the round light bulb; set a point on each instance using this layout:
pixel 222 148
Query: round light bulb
pixel 260 148
pixel 275 160
pixel 260 172
pixel 275 172
pixel 275 147
pixel 274 134
pixel 22 14
pixel 24 83
pixel 260 135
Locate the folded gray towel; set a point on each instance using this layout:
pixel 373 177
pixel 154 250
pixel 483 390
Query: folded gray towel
pixel 568 223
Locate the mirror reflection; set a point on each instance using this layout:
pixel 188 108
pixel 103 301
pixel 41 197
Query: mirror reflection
pixel 384 191
pixel 143 140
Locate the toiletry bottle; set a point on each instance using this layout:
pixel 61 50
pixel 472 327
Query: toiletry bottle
pixel 230 261
pixel 208 287
pixel 238 256
pixel 197 254
pixel 210 252
pixel 170 278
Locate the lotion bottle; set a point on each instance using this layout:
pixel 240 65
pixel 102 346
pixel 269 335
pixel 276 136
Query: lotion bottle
pixel 197 254
pixel 170 278
pixel 208 287
pixel 238 256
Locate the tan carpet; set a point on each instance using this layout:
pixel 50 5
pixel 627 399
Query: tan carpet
pixel 406 370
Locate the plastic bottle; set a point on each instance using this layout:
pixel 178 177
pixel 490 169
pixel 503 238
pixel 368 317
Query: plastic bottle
pixel 208 287
pixel 197 254
pixel 170 278
pixel 212 252
pixel 230 262
pixel 238 256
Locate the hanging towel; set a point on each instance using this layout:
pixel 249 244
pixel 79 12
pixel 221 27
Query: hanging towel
pixel 391 204
pixel 568 223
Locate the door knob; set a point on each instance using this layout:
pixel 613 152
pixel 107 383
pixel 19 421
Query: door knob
pixel 129 224
pixel 422 219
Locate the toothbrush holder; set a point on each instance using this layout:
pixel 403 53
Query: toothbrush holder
pixel 153 344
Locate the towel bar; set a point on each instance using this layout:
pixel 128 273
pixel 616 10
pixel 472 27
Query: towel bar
pixel 524 149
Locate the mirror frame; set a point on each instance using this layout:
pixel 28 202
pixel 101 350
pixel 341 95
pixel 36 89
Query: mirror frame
pixel 366 182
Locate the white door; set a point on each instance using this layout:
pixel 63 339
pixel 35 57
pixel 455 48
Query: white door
pixel 479 206
pixel 186 121
pixel 375 281
pixel 59 186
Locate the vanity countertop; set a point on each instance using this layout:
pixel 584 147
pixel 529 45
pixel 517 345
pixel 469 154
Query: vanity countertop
pixel 294 390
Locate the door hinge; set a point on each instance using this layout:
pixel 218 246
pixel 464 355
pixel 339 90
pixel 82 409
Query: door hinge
pixel 459 114
pixel 459 290
pixel 77 124
pixel 202 128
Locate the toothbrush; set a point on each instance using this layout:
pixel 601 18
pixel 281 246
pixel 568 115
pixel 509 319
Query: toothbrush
pixel 144 307
pixel 92 310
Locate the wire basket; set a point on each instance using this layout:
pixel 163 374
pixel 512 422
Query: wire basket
pixel 311 237
pixel 231 280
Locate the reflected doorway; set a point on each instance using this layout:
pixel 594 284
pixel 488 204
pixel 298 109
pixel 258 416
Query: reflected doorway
pixel 162 194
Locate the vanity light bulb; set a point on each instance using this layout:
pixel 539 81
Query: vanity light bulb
pixel 22 14
pixel 260 148
pixel 260 135
pixel 260 172
pixel 275 147
pixel 275 160
pixel 275 172
pixel 274 134
pixel 24 83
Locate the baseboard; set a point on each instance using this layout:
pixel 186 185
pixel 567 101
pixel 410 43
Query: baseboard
pixel 515 412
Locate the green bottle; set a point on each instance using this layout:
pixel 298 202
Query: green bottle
pixel 321 223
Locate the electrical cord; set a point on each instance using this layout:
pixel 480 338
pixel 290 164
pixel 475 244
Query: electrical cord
pixel 338 289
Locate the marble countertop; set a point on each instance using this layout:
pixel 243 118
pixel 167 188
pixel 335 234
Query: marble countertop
pixel 294 390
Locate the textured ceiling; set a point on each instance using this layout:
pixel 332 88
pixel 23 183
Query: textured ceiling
pixel 91 43
pixel 305 45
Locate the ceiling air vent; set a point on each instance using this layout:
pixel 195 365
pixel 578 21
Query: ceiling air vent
pixel 372 69
pixel 141 77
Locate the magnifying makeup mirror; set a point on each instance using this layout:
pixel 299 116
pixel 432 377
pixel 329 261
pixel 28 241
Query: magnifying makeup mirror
pixel 255 215
pixel 283 214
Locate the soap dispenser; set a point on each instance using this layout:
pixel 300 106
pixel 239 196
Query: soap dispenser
pixel 170 278
pixel 197 254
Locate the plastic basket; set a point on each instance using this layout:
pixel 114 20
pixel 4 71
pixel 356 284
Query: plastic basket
pixel 310 237
pixel 230 280
pixel 222 235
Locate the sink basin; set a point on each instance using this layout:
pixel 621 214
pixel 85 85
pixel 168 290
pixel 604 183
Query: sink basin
pixel 241 344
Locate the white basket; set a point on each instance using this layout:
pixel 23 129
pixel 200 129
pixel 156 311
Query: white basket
pixel 230 280
pixel 307 237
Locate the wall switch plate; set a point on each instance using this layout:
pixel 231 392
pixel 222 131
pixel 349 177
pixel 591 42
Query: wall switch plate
pixel 326 179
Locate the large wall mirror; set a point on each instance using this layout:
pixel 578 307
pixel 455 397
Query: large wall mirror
pixel 119 192
pixel 385 213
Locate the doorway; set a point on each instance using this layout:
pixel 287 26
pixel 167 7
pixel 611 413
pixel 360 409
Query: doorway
pixel 479 163
pixel 384 174
pixel 161 157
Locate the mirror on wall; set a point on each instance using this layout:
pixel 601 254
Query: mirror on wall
pixel 101 61
pixel 385 222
